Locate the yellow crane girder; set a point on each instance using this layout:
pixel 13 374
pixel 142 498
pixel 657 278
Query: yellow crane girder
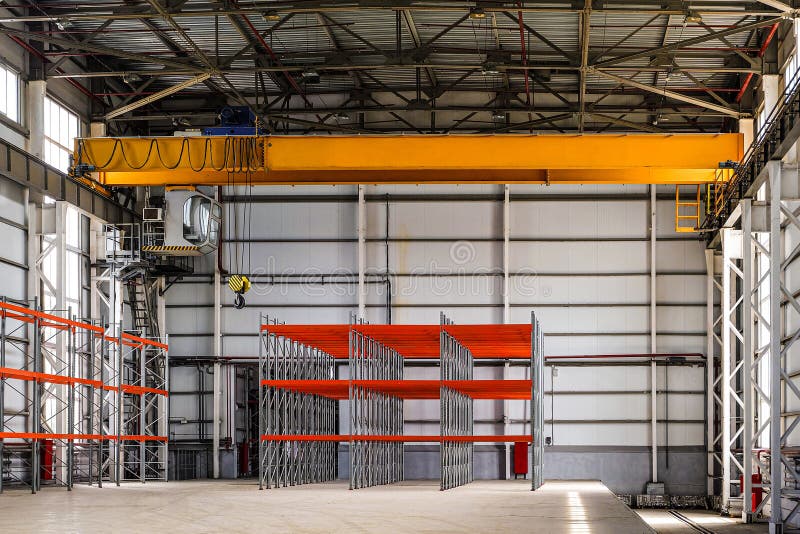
pixel 415 159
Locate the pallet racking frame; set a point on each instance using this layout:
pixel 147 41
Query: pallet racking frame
pixel 293 413
pixel 375 389
pixel 91 404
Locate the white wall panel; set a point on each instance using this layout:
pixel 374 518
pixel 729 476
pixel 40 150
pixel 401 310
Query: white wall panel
pixel 584 268
pixel 559 219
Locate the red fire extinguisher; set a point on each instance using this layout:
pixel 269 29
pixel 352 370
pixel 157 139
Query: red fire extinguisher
pixel 244 458
pixel 758 492
pixel 47 457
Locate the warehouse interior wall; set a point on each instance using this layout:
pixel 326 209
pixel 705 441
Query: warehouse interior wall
pixel 578 255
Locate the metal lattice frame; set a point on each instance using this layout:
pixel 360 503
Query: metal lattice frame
pixel 87 406
pixel 283 413
pixel 142 449
pixel 456 412
pixel 760 325
pixel 374 413
pixel 558 54
pixel 67 401
pixel 714 326
pixel 19 457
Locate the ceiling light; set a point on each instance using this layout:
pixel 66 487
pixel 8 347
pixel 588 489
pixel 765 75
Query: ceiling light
pixel 490 69
pixel 63 24
pixel 498 115
pixel 131 77
pixel 692 17
pixel 342 116
pixel 477 13
pixel 310 76
pixel 271 16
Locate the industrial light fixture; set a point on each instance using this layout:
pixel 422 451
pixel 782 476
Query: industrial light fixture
pixel 310 76
pixel 498 115
pixel 692 17
pixel 131 77
pixel 271 16
pixel 63 24
pixel 477 13
pixel 342 116
pixel 490 69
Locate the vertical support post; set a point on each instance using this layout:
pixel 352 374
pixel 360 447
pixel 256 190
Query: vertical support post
pixel 2 388
pixel 775 322
pixel 141 352
pixel 120 415
pixel 728 289
pixel 709 371
pixel 216 393
pixel 537 404
pixel 36 416
pixel 506 310
pixel 263 409
pixel 362 253
pixel 71 341
pixel 653 344
pixel 37 89
pixel 747 360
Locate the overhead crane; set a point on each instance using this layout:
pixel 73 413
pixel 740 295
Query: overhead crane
pixel 184 222
pixel 407 159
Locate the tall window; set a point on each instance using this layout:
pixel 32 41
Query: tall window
pixel 793 64
pixel 9 93
pixel 60 129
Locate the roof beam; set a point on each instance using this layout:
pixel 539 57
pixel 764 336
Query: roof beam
pixel 97 49
pixel 585 29
pixel 687 42
pixel 157 96
pixel 671 94
pixel 211 8
pixel 541 37
pixel 780 6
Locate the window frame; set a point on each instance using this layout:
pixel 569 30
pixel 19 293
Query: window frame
pixel 16 121
pixel 48 139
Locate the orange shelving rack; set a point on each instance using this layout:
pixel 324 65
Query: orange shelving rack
pixel 78 405
pixel 299 395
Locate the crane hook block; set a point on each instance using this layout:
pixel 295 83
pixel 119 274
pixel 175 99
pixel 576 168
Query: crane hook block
pixel 240 285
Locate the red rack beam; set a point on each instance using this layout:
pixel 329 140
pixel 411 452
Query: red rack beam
pixel 33 376
pixel 510 341
pixel 21 313
pixel 78 437
pixel 410 389
pixel 344 438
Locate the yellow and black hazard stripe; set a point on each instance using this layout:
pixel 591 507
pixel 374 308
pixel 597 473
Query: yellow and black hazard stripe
pixel 170 248
pixel 239 283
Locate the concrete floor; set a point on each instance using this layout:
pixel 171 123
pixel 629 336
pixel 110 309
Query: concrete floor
pixel 561 507
pixel 664 523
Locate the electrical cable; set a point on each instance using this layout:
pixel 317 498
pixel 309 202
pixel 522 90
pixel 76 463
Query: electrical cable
pixel 239 155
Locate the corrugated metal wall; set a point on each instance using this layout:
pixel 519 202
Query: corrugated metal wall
pixel 579 256
pixel 13 285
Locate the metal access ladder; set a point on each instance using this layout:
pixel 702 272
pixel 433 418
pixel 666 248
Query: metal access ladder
pixel 140 298
pixel 687 212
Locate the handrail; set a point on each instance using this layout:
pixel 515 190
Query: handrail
pixel 766 141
